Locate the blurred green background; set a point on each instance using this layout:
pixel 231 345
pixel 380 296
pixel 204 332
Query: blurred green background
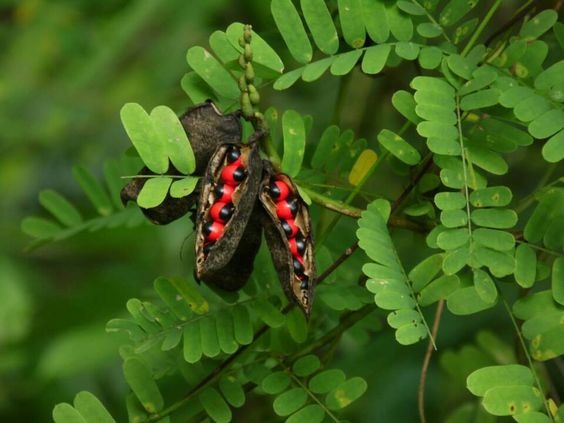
pixel 67 67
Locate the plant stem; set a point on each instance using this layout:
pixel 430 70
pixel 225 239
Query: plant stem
pixel 526 352
pixel 481 27
pixel 427 360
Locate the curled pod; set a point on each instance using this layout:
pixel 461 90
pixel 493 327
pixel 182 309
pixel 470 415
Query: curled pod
pixel 290 241
pixel 226 260
pixel 206 128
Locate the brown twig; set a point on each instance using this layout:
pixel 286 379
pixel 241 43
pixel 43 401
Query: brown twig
pixel 427 360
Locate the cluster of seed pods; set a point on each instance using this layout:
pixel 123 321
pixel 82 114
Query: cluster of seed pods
pixel 222 209
pixel 287 207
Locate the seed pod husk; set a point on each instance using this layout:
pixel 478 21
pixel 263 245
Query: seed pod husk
pixel 277 241
pixel 229 261
pixel 206 128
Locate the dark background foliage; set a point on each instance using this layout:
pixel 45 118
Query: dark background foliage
pixel 66 69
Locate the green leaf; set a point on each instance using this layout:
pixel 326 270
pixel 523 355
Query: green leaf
pixel 531 417
pixel 430 57
pixel 514 95
pixel 485 378
pixel 313 71
pixel 174 138
pixel 407 50
pixel 94 191
pixel 500 263
pixel 362 167
pixel 327 142
pixel 208 336
pixel 91 408
pixel 346 393
pixel 345 62
pixel 494 218
pixel 212 72
pixel 425 271
pixel 453 238
pixel 455 10
pixel 486 159
pixel 525 265
pixel 538 25
pixel 153 192
pixel 429 30
pixel 399 23
pixel 510 400
pixel 502 132
pixel 485 286
pixel 263 54
pixel 547 124
pixel 460 65
pixel 480 99
pixel 288 79
pixel 191 295
pixel 312 413
pixel 404 103
pixel 297 325
pixel 494 239
pixel 215 406
pixel 326 381
pixel 436 113
pixel 139 378
pixel 411 8
pixel 399 147
pixel 352 26
pixel 60 207
pixel 453 218
pixel 450 200
pixel 290 401
pixel 553 150
pixel 321 26
pixel 269 314
pixel 144 137
pixel 531 108
pixel 499 196
pixel 455 260
pixel 463 30
pixel 242 325
pixel 436 129
pixel 192 344
pixel 558 280
pixel 306 365
pixel 439 288
pixel 482 77
pixel 225 332
pixel 196 88
pixel 232 391
pixel 293 129
pixel 292 29
pixel 222 47
pixel 183 187
pixel 551 78
pixel 411 333
pixel 465 301
pixel 275 383
pixel 65 413
pixel 375 21
pixel 375 58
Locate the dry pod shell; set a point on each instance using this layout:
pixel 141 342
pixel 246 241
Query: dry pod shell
pixel 206 128
pixel 226 248
pixel 289 240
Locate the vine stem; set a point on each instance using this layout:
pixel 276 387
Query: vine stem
pixel 481 27
pixel 529 359
pixel 427 360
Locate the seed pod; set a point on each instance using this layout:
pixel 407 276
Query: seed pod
pixel 206 128
pixel 295 271
pixel 229 262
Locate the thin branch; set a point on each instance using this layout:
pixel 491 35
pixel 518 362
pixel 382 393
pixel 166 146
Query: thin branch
pixel 425 166
pixel 427 360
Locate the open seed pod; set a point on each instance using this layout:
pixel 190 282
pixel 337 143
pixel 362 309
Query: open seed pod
pixel 206 128
pixel 228 231
pixel 287 228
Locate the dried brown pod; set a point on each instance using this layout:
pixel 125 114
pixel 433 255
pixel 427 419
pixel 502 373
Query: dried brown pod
pixel 225 258
pixel 297 279
pixel 206 128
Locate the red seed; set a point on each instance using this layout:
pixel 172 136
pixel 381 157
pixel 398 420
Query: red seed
pixel 233 154
pixel 289 227
pixel 223 193
pixel 279 190
pixel 213 230
pixel 221 212
pixel 287 209
pixel 233 174
pixel 297 246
